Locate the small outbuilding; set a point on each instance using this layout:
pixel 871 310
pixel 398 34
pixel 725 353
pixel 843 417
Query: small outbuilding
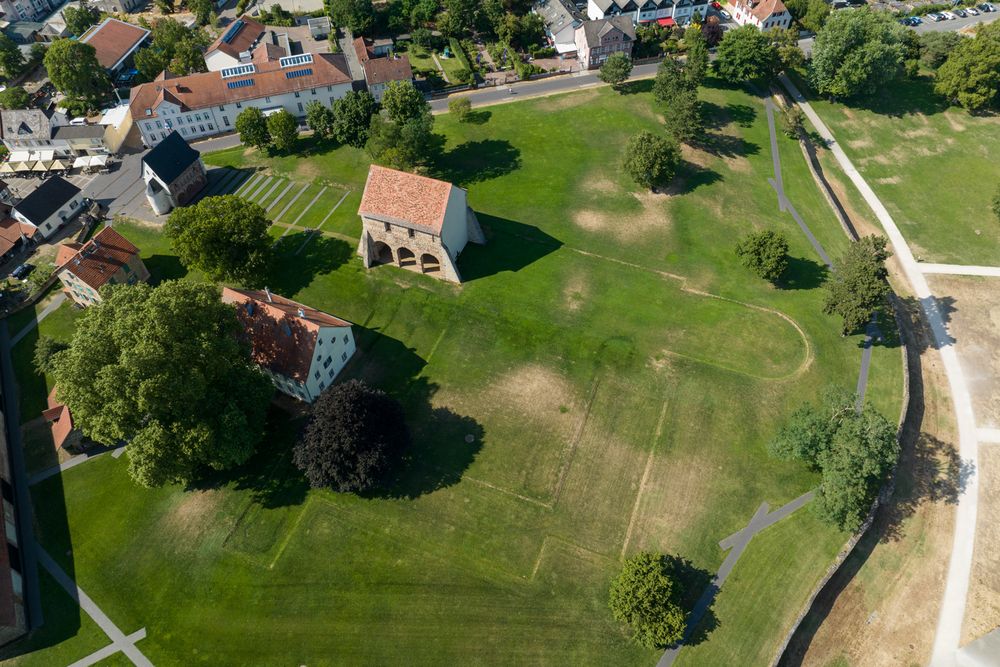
pixel 416 223
pixel 173 173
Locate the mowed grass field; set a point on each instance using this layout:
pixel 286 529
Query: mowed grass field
pixel 935 168
pixel 619 375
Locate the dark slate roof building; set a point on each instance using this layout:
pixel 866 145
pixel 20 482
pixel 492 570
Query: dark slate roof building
pixel 173 173
pixel 54 193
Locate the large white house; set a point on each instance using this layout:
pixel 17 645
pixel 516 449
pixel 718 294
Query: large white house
pixel 300 348
pixel 561 18
pixel 647 11
pixel 207 103
pixel 50 206
pixel 235 44
pixel 765 14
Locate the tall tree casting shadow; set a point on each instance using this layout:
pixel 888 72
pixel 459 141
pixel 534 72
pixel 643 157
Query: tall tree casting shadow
pixel 803 273
pixel 476 161
pixel 301 256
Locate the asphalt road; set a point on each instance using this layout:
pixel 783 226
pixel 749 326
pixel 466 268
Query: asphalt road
pixel 569 82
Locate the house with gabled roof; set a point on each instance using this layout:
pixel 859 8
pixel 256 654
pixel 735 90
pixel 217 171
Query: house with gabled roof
pixel 416 223
pixel 597 40
pixel 116 43
pixel 664 12
pixel 107 259
pixel 174 174
pixel 300 348
pixel 241 37
pixel 50 206
pixel 765 14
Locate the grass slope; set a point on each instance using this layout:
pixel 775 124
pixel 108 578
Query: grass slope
pixel 618 372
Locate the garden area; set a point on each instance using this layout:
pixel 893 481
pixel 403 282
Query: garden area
pixel 604 382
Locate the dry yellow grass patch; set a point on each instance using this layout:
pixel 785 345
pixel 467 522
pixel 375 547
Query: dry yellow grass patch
pixel 575 292
pixel 567 101
pixel 983 607
pixel 858 144
pixel 538 392
pixel 888 180
pixel 628 226
pixel 194 515
pixel 953 120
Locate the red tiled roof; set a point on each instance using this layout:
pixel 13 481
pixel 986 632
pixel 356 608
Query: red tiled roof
pixel 208 89
pixel 66 252
pixel 100 258
pixel 11 231
pixel 361 48
pixel 113 40
pixel 242 41
pixel 396 196
pixel 763 9
pixel 383 70
pixel 60 419
pixel 282 333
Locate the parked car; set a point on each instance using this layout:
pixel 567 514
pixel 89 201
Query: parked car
pixel 22 270
pixel 915 20
pixel 960 13
pixel 972 10
pixel 716 5
pixel 949 15
pixel 987 7
pixel 724 14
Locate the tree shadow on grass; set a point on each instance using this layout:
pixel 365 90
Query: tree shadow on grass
pixel 635 87
pixel 911 310
pixel 803 273
pixel 302 256
pixel 725 145
pixel 510 246
pixel 696 599
pixel 689 178
pixel 715 117
pixel 478 117
pixel 164 267
pixel 903 97
pixel 476 161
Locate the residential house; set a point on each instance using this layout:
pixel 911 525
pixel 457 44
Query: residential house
pixel 234 46
pixel 13 618
pixel 381 70
pixel 29 129
pixel 665 12
pixel 107 259
pixel 116 43
pixel 79 140
pixel 14 235
pixel 300 348
pixel 765 14
pixel 173 173
pixel 416 223
pixel 50 206
pixel 119 6
pixel 28 10
pixel 596 40
pixel 207 103
pixel 561 18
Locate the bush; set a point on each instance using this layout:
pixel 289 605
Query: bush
pixel 792 121
pixel 645 596
pixel 458 51
pixel 765 253
pixel 651 159
pixel 460 107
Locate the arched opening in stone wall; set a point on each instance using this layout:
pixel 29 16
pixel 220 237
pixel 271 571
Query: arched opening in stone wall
pixel 406 257
pixel 429 263
pixel 383 253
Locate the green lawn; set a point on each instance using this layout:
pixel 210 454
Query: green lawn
pixel 619 375
pixel 934 167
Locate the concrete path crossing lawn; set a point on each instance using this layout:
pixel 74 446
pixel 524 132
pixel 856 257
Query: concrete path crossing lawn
pixel 46 311
pixel 960 270
pixel 949 629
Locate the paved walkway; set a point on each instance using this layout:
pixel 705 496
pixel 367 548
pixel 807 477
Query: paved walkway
pixel 952 612
pixel 120 642
pixel 73 462
pixel 960 270
pixel 736 544
pixel 46 311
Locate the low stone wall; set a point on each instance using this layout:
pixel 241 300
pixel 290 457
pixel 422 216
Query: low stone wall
pixel 899 315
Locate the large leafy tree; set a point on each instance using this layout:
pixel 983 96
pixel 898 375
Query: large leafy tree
pixel 45 351
pixel 173 46
pixel 646 596
pixel 354 436
pixel 935 47
pixel 402 145
pixel 676 88
pixel 203 10
pixel 11 58
pixel 162 369
pixel 252 127
pixel 14 97
pixel 352 116
pixel 402 101
pixel 651 159
pixel 74 70
pixel 765 253
pixel 319 118
pixel 79 19
pixel 853 449
pixel 355 15
pixel 696 55
pixel 615 70
pixel 746 54
pixel 462 13
pixel 857 52
pixel 284 130
pixel 971 74
pixel 811 14
pixel 858 287
pixel 225 237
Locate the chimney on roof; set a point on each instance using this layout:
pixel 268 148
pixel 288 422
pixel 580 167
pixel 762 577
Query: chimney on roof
pixel 268 293
pixel 302 313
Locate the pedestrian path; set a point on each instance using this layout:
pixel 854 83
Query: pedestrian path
pixel 46 311
pixel 960 270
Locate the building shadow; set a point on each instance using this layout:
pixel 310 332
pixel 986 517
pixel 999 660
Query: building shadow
pixel 803 273
pixel 510 246
pixel 302 256
pixel 476 161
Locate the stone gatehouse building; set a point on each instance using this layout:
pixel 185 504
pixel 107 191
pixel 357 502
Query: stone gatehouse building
pixel 416 223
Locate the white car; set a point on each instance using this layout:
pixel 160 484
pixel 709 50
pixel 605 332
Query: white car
pixel 972 10
pixel 724 14
pixel 949 15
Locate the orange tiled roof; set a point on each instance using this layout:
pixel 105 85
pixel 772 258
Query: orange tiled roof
pixel 59 417
pixel 396 196
pixel 763 9
pixel 282 333
pixel 66 252
pixel 100 258
pixel 113 40
pixel 208 89
pixel 11 232
pixel 361 48
pixel 243 40
pixel 383 70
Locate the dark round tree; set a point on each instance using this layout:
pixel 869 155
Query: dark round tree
pixel 354 436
